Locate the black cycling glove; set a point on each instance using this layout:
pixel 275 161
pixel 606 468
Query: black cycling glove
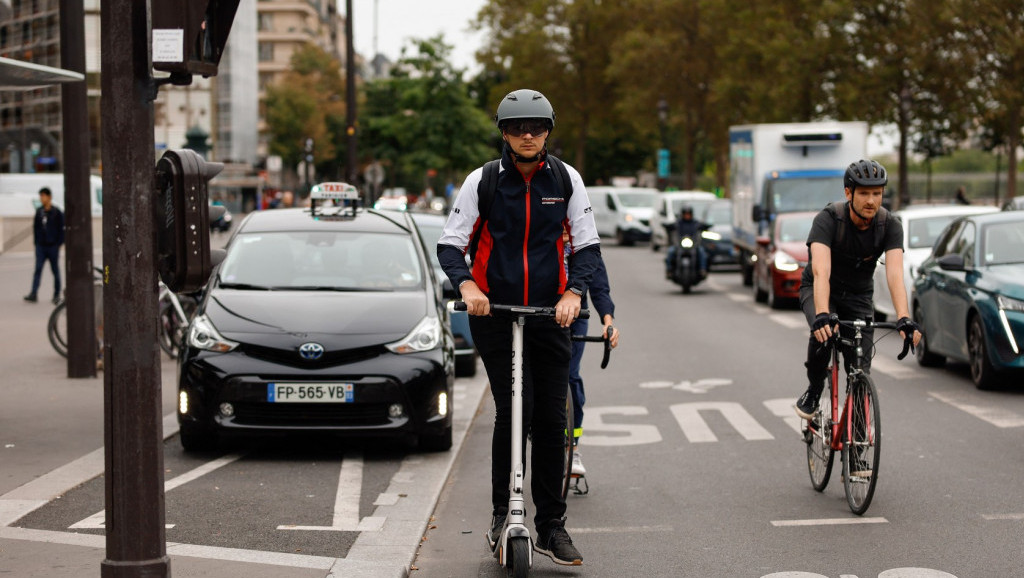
pixel 820 320
pixel 908 326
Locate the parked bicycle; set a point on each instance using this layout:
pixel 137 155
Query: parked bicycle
pixel 175 313
pixel 856 431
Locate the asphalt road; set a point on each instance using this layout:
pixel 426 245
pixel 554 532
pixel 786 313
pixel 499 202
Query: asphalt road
pixel 696 468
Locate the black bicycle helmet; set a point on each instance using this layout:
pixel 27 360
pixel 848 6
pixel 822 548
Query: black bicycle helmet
pixel 865 173
pixel 525 103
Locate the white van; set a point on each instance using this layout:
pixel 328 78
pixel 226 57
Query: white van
pixel 622 212
pixel 19 193
pixel 666 211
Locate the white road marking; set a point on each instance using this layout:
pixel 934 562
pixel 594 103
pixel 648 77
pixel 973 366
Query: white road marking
pixel 897 369
pixel 739 297
pixel 992 517
pixel 789 320
pixel 635 433
pixel 346 501
pixel 697 431
pixel 828 522
pixel 997 416
pixel 98 520
pixel 783 407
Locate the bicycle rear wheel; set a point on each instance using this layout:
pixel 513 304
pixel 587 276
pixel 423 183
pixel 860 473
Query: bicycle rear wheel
pixel 567 465
pixel 862 444
pixel 57 328
pixel 818 435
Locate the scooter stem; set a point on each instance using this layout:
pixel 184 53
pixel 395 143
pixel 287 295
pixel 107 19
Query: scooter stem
pixel 516 483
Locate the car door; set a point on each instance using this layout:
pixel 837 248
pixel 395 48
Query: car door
pixel 954 298
pixel 930 287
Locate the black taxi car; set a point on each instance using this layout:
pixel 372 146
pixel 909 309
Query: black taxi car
pixel 322 319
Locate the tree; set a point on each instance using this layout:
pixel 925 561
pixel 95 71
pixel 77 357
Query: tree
pixel 422 118
pixel 308 103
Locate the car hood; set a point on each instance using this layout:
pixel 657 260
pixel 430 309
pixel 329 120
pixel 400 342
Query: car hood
pixel 342 320
pixel 795 249
pixel 1005 280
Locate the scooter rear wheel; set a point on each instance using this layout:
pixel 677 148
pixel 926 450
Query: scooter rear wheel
pixel 519 558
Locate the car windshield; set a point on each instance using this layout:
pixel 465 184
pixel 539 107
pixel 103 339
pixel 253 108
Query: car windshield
pixel 718 215
pixel 922 232
pixel 322 261
pixel 634 199
pixel 795 229
pixel 1003 243
pixel 805 194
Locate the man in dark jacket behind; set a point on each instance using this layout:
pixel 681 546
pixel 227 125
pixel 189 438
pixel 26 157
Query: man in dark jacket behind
pixel 48 228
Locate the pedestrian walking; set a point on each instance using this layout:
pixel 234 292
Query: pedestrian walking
pixel 48 230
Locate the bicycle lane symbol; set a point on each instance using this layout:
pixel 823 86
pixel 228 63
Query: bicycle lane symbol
pixel 893 573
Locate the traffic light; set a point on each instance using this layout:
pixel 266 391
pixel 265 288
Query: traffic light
pixel 182 214
pixel 189 36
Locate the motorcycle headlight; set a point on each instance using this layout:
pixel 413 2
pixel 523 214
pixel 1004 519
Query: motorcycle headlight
pixel 203 335
pixel 424 337
pixel 686 243
pixel 711 236
pixel 785 262
pixel 1010 304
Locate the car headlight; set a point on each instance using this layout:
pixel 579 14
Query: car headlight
pixel 785 262
pixel 203 335
pixel 1010 304
pixel 424 337
pixel 686 243
pixel 711 236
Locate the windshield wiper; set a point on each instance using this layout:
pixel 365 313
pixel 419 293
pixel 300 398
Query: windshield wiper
pixel 244 286
pixel 319 288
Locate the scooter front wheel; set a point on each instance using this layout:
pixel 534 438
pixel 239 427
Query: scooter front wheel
pixel 518 565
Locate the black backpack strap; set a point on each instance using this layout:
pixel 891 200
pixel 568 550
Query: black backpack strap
pixel 561 178
pixel 838 212
pixel 485 192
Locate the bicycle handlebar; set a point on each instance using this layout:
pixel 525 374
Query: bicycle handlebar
pixel 524 310
pixel 908 341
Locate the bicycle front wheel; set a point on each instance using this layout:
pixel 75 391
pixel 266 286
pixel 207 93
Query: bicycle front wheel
pixel 57 328
pixel 818 435
pixel 567 465
pixel 862 444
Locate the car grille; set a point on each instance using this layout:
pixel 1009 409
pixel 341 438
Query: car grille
pixel 329 358
pixel 310 414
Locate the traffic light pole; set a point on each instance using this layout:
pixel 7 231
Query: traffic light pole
pixel 77 195
pixel 131 378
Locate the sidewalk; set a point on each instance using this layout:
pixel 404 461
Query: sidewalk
pixel 51 430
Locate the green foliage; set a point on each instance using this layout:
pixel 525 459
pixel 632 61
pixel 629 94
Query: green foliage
pixel 423 117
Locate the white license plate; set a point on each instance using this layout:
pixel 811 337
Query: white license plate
pixel 309 392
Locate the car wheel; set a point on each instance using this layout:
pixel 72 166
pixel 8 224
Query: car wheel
pixel 982 372
pixel 621 239
pixel 926 358
pixel 772 299
pixel 195 438
pixel 437 443
pixel 759 295
pixel 465 365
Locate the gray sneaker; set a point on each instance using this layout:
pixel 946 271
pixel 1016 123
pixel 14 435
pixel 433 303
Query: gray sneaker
pixel 557 545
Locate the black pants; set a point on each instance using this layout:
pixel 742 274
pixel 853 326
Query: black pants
pixel 546 352
pixel 43 254
pixel 848 306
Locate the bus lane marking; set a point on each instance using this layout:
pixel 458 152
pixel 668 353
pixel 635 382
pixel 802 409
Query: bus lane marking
pixel 697 430
pixel 346 502
pixel 828 522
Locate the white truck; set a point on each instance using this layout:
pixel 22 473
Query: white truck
pixel 783 168
pixel 19 193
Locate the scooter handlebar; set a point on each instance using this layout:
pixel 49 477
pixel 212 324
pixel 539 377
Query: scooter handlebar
pixel 525 310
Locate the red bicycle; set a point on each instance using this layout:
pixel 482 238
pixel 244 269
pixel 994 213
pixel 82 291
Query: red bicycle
pixel 856 431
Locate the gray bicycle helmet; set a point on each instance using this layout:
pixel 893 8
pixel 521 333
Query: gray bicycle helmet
pixel 865 173
pixel 524 103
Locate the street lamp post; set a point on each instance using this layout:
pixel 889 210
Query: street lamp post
pixel 664 166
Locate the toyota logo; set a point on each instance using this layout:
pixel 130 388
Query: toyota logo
pixel 311 351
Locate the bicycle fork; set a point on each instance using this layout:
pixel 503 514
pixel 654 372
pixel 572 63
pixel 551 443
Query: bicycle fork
pixel 515 523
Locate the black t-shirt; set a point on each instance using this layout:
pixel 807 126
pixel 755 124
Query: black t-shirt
pixel 855 255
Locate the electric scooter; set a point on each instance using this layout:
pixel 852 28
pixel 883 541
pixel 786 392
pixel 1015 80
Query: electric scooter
pixel 514 550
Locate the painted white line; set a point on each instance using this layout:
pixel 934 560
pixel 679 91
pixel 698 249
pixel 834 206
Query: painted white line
pixel 697 430
pixel 346 501
pixel 739 298
pixel 996 416
pixel 783 407
pixel 622 529
pixel 98 520
pixel 905 369
pixel 828 522
pixel 789 320
pixel 1003 516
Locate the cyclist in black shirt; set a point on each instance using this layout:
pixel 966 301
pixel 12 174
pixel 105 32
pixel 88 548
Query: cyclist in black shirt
pixel 845 242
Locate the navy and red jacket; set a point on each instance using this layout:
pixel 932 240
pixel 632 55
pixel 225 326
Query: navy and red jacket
pixel 519 257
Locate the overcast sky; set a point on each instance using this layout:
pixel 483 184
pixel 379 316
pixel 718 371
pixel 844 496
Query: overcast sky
pixel 399 20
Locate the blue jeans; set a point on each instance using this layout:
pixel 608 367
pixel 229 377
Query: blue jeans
pixel 578 327
pixel 44 254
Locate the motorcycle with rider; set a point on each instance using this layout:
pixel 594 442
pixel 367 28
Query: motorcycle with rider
pixel 686 258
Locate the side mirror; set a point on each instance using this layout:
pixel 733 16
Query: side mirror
pixel 757 213
pixel 951 262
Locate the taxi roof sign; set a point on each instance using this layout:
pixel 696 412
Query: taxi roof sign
pixel 343 191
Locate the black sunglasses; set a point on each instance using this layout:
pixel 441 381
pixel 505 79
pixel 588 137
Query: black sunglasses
pixel 518 128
